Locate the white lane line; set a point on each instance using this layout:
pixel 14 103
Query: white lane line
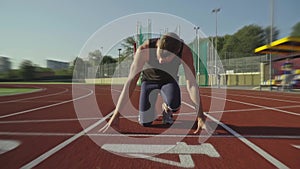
pixel 264 98
pixel 35 134
pixel 254 93
pixel 197 136
pixel 7 145
pixel 256 109
pixel 65 143
pixel 254 147
pixel 253 109
pixel 256 105
pixel 251 145
pixel 136 116
pixel 267 98
pixel 44 156
pixel 48 120
pixel 296 146
pixel 147 135
pixel 47 106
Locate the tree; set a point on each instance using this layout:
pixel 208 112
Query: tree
pixel 267 34
pixel 128 46
pixel 79 68
pixel 94 58
pixel 107 66
pixel 108 60
pixel 27 70
pixel 243 42
pixel 296 30
pixel 220 43
pixel 230 47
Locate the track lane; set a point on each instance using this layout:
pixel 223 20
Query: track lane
pixel 99 158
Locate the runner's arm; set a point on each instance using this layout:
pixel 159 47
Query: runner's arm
pixel 192 87
pixel 139 60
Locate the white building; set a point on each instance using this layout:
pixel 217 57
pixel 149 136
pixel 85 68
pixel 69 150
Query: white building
pixel 57 65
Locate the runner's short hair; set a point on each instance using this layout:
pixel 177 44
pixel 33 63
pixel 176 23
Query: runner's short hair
pixel 169 42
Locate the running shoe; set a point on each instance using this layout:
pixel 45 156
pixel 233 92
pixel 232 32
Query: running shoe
pixel 167 117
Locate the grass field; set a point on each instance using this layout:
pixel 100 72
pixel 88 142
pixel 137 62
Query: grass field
pixel 12 91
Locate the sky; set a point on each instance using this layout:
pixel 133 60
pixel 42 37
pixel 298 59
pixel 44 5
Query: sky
pixel 61 29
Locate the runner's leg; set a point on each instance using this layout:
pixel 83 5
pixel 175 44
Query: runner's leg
pixel 171 95
pixel 148 97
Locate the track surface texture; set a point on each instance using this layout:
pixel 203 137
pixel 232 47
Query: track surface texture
pixel 57 127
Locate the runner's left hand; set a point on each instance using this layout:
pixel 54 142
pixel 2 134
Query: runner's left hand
pixel 200 125
pixel 113 121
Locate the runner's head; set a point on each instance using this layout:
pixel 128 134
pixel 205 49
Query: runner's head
pixel 168 47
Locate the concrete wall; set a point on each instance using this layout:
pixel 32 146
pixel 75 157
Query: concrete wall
pixel 107 81
pixel 241 79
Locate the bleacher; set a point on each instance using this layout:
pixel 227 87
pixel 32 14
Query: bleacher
pixel 282 49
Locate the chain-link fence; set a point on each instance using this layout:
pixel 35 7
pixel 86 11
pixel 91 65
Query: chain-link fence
pixel 235 71
pixel 243 65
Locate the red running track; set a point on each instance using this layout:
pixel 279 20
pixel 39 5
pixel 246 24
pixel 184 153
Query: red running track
pixel 57 127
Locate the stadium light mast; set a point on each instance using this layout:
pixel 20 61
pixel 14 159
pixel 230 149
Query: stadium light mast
pixel 119 59
pixel 196 28
pixel 216 10
pixel 271 39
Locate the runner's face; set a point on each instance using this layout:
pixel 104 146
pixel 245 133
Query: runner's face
pixel 165 59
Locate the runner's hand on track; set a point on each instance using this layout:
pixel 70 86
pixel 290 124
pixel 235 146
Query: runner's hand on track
pixel 113 121
pixel 200 125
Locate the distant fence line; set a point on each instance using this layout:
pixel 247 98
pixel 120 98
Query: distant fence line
pixel 237 71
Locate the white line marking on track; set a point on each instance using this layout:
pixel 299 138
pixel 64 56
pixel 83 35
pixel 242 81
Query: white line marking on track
pixel 264 98
pixel 36 134
pixel 186 161
pixel 181 148
pixel 255 109
pixel 70 140
pixel 296 146
pixel 254 147
pixel 7 145
pixel 197 136
pixel 147 135
pixel 44 156
pixel 136 116
pixel 48 120
pixel 256 105
pixel 47 106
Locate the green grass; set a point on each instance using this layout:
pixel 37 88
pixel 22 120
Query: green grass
pixel 12 91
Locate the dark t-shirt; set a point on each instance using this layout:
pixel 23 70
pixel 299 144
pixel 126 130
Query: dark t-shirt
pixel 156 72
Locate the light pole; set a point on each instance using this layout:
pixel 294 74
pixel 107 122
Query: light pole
pixel 119 60
pixel 99 64
pixel 271 39
pixel 216 10
pixel 196 28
